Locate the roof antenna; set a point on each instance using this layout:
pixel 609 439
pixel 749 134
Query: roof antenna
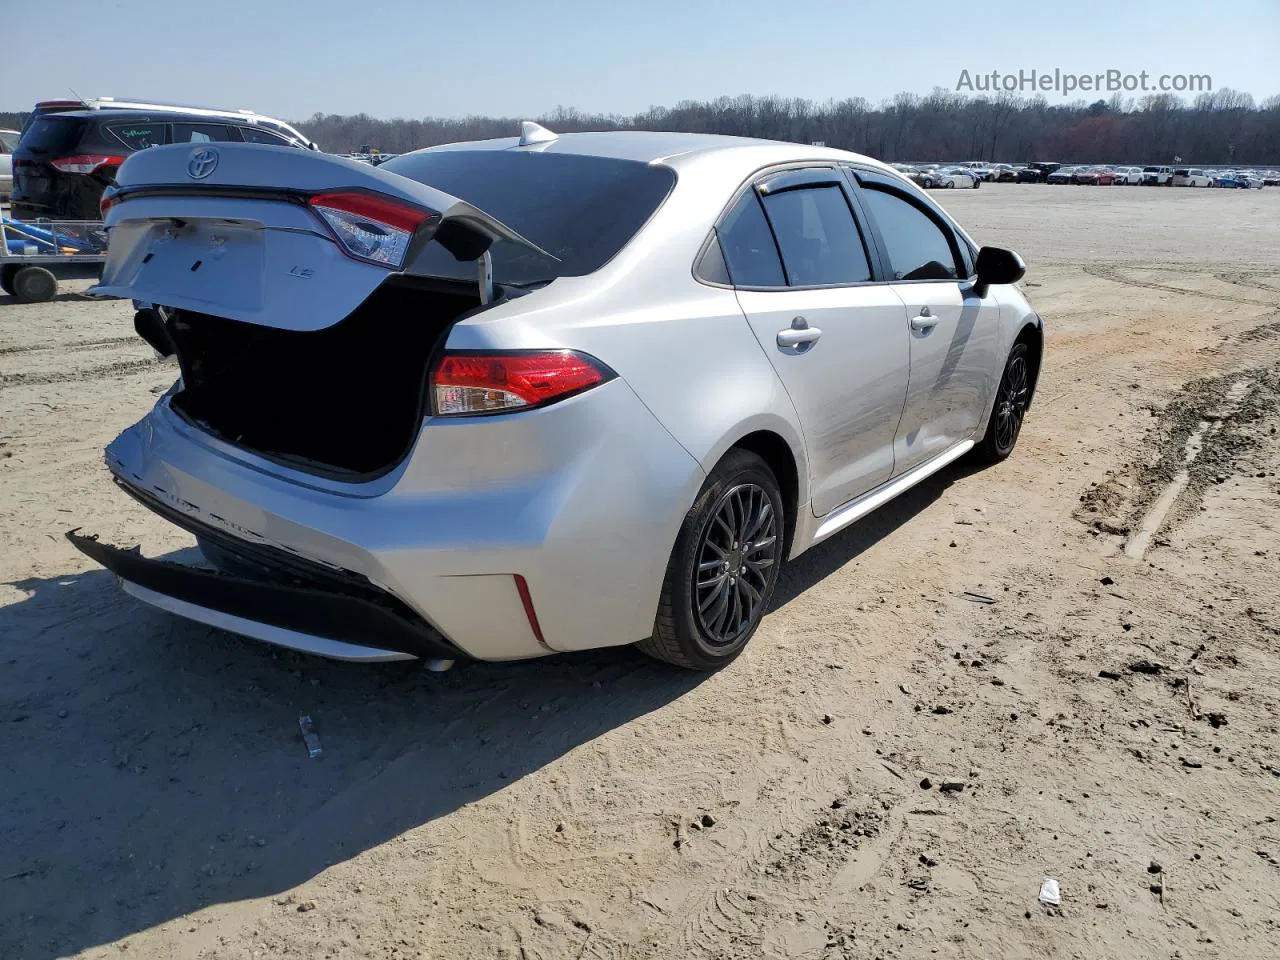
pixel 531 133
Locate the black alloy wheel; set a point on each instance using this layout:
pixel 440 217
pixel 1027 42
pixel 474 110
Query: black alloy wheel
pixel 739 547
pixel 1012 398
pixel 723 568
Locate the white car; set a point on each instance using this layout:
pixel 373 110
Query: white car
pixel 8 143
pixel 1183 177
pixel 1131 176
pixel 958 177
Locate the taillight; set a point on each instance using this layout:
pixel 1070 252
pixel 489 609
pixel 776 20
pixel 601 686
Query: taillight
pixel 465 384
pixel 106 201
pixel 368 226
pixel 86 162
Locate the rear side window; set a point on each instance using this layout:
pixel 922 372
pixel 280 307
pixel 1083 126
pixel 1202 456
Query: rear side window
pixel 258 135
pixel 8 142
pixel 747 245
pixel 138 136
pixel 918 247
pixel 53 136
pixel 817 236
pixel 203 132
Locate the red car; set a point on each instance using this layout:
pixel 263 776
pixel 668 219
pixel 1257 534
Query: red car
pixel 1086 175
pixel 1107 177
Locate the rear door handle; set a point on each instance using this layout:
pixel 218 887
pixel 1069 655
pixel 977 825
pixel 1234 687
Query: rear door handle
pixel 798 334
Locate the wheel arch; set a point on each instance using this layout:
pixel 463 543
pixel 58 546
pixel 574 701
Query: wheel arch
pixel 1032 334
pixel 789 468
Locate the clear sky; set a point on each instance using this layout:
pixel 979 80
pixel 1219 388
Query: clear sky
pixel 416 58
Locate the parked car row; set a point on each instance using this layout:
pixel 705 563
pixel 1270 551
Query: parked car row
pixel 942 178
pixel 934 175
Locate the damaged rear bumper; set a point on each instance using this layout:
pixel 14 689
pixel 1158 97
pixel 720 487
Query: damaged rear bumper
pixel 317 617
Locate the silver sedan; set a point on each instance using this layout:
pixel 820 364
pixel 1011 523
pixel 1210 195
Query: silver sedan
pixel 502 399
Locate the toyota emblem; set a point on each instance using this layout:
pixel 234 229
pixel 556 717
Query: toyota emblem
pixel 202 162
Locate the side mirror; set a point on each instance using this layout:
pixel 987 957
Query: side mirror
pixel 998 266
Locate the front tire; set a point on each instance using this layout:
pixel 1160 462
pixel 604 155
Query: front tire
pixel 723 568
pixel 1005 424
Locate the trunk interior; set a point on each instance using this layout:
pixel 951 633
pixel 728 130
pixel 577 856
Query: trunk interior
pixel 345 402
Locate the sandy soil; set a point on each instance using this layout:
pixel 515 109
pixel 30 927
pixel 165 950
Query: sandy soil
pixel 1106 721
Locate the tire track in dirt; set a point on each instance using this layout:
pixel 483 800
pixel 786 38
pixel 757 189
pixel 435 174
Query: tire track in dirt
pixel 77 345
pixel 1243 280
pixel 823 827
pixel 120 367
pixel 1115 276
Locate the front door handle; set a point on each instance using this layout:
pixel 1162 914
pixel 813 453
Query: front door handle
pixel 925 322
pixel 799 334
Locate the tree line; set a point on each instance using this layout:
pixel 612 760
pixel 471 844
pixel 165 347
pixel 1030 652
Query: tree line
pixel 1223 127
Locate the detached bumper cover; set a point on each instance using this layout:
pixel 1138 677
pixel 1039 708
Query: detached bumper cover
pixel 360 618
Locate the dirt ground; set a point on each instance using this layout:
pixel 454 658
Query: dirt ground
pixel 1105 720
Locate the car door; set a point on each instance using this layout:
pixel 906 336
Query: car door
pixel 803 272
pixel 953 333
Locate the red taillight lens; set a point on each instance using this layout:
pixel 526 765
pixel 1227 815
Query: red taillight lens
pixel 475 383
pixel 368 226
pixel 106 201
pixel 86 162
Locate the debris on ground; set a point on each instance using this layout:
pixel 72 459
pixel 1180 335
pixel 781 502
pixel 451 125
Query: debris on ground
pixel 1149 667
pixel 1050 892
pixel 309 736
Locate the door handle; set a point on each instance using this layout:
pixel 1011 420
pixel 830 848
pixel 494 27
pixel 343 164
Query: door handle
pixel 925 322
pixel 799 334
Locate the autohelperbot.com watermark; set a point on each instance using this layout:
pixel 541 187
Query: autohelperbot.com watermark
pixel 1065 83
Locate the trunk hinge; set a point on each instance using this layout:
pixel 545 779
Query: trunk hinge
pixel 484 271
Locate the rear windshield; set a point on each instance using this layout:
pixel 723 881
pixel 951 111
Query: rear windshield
pixel 581 209
pixel 53 135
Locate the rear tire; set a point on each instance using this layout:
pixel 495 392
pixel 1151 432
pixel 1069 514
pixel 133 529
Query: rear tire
pixel 723 568
pixel 1007 413
pixel 34 285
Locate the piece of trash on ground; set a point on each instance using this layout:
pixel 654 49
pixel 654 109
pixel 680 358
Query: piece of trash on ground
pixel 1050 892
pixel 974 597
pixel 309 736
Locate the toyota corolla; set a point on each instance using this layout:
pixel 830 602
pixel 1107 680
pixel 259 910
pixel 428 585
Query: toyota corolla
pixel 502 399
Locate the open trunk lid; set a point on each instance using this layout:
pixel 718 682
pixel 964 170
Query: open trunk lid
pixel 234 230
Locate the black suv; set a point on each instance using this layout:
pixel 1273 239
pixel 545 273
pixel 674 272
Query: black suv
pixel 68 157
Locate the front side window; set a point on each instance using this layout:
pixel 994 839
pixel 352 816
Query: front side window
pixel 918 247
pixel 817 236
pixel 203 132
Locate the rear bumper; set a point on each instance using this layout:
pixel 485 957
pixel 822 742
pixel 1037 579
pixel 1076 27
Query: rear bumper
pixel 582 500
pixel 307 616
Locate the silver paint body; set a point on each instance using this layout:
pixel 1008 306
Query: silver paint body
pixel 583 498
